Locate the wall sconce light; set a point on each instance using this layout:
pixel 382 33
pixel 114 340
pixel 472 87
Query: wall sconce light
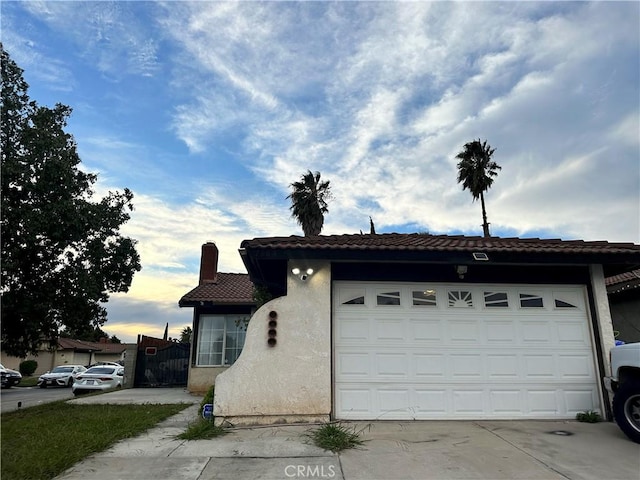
pixel 304 275
pixel 461 270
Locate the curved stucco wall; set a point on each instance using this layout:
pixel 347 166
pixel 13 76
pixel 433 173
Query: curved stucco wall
pixel 290 382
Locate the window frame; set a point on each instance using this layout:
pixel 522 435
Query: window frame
pixel 225 334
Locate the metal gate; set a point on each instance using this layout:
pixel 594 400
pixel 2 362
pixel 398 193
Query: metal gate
pixel 161 363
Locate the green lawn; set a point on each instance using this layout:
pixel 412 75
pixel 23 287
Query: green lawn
pixel 41 442
pixel 28 382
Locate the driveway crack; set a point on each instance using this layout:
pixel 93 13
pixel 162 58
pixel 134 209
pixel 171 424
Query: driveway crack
pixel 523 451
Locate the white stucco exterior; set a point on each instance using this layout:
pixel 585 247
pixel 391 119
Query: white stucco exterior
pixel 605 324
pixel 291 381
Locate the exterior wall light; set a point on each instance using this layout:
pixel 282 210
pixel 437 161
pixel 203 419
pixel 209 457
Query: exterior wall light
pixel 461 270
pixel 304 275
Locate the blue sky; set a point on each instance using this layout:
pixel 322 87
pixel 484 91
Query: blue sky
pixel 208 111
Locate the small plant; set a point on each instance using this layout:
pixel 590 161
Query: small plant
pixel 336 437
pixel 202 429
pixel 28 367
pixel 588 417
pixel 208 397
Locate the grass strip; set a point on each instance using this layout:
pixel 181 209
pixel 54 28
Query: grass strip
pixel 41 442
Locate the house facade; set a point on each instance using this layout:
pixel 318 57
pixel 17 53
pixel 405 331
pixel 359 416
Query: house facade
pixel 222 306
pixel 71 352
pixel 411 326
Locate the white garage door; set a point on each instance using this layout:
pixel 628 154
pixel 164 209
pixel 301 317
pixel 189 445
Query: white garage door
pixel 455 351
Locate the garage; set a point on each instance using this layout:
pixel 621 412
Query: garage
pixel 461 351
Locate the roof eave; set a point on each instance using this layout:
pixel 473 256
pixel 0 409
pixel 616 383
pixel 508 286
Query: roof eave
pixel 213 303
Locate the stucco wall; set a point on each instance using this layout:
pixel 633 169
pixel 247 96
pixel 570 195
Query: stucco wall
pixel 290 382
pixel 605 324
pixel 201 378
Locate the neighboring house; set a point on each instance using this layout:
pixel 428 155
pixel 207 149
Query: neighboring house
pixel 412 326
pixel 71 352
pixel 222 306
pixel 624 300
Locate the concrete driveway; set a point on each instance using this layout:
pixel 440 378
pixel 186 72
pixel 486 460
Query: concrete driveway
pixel 392 450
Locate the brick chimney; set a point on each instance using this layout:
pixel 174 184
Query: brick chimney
pixel 209 263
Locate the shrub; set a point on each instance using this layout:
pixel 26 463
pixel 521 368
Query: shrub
pixel 28 367
pixel 588 417
pixel 201 429
pixel 336 437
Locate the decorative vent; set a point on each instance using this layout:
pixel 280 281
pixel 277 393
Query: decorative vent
pixel 460 299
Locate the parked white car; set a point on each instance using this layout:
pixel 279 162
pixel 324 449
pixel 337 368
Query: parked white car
pixel 60 376
pixel 112 364
pixel 102 377
pixel 9 377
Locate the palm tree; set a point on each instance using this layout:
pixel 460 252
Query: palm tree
pixel 476 171
pixel 309 202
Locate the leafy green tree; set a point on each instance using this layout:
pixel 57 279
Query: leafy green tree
pixel 309 202
pixel 476 171
pixel 185 335
pixel 62 253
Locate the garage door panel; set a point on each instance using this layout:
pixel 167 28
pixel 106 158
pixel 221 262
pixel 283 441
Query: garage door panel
pixel 450 351
pixel 392 365
pixel 505 402
pixel 463 331
pixel 358 401
pixel 579 400
pixel 429 366
pixel 500 332
pixel 387 329
pixel 426 330
pixel 535 332
pixel 394 400
pixel 543 402
pixel 503 367
pixel 468 402
pixel 575 367
pixel 352 365
pixel 572 333
pixel 353 329
pixel 431 402
pixel 466 367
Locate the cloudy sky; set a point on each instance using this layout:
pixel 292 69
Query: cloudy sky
pixel 208 111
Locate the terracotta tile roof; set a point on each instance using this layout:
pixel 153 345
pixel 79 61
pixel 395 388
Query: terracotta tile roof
pixel 71 344
pixel 623 277
pixel 425 242
pixel 623 281
pixel 228 289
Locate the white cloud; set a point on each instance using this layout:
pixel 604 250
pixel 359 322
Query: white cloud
pixel 377 96
pixel 110 34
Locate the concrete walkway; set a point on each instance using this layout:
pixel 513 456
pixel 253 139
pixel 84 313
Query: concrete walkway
pixel 392 450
